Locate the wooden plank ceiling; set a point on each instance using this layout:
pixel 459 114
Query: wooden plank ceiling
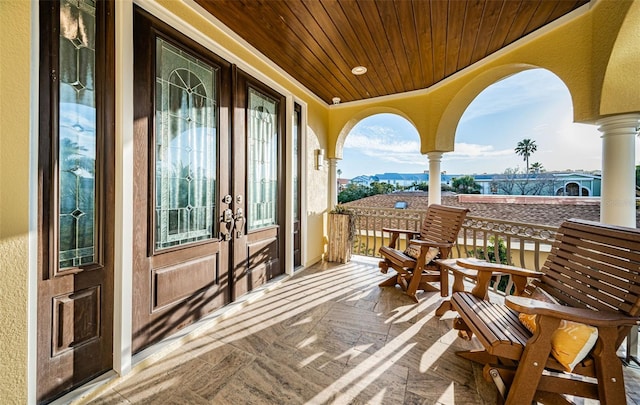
pixel 404 44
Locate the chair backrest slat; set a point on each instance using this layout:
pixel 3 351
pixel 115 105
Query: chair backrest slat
pixel 442 223
pixel 596 266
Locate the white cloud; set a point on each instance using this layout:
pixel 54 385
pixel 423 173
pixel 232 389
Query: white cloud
pixel 369 144
pixel 469 150
pixel 516 92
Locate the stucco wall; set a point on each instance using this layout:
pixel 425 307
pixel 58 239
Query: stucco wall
pixel 15 25
pixel 621 88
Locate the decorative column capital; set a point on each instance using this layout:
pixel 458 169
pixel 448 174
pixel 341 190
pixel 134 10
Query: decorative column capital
pixel 621 124
pixel 435 156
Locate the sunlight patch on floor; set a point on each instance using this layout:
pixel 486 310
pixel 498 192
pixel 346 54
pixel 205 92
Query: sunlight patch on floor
pixel 448 396
pixel 433 353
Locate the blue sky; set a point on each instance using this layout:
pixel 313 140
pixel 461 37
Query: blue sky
pixel 534 104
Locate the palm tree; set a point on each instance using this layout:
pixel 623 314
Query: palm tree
pixel 536 167
pixel 525 148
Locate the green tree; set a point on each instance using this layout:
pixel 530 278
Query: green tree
pixel 353 192
pixel 380 188
pixel 466 185
pixel 422 186
pixel 357 191
pixel 525 148
pixel 536 167
pixel 490 254
pixel 445 187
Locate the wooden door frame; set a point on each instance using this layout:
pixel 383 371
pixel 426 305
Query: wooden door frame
pixel 297 186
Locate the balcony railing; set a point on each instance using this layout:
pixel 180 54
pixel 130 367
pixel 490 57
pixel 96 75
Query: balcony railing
pixel 514 243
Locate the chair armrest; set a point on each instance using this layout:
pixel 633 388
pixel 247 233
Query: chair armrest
pixel 485 270
pixel 581 315
pixel 393 230
pixel 395 234
pixel 430 243
pixel 484 266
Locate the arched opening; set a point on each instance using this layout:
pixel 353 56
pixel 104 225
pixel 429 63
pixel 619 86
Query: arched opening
pixel 535 106
pixel 382 143
pixel 572 189
pixel 382 149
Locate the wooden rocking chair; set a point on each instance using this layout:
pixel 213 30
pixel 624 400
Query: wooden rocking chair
pixel 439 232
pixel 593 275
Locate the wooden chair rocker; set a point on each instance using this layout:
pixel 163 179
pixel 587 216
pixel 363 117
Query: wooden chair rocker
pixel 580 308
pixel 414 266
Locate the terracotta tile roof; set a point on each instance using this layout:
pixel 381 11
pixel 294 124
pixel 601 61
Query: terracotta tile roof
pixel 544 214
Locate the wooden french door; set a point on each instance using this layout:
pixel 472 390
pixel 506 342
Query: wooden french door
pixel 182 215
pixel 76 198
pixel 207 182
pixel 257 186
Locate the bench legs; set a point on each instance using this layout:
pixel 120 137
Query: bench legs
pixel 609 368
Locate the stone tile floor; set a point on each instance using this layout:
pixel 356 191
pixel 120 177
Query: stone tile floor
pixel 328 334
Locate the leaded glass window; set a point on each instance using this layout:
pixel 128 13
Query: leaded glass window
pixel 262 182
pixel 77 134
pixel 186 144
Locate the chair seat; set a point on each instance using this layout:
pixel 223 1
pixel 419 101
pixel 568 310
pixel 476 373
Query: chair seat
pixel 397 257
pixel 496 326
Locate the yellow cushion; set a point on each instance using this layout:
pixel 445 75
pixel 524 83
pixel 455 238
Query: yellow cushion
pixel 529 320
pixel 571 342
pixel 413 250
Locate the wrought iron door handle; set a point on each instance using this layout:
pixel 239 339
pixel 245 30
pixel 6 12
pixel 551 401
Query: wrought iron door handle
pixel 228 223
pixel 239 222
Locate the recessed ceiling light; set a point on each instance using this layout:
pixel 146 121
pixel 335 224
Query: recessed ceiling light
pixel 359 70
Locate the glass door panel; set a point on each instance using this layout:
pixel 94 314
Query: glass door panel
pixel 77 228
pixel 185 161
pixel 262 138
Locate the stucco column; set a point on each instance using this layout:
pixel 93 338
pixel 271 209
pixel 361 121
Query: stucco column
pixel 618 202
pixel 333 183
pixel 435 186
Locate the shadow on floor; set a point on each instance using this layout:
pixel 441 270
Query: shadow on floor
pixel 328 335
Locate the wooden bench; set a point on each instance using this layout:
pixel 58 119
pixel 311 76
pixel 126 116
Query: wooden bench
pixel 593 273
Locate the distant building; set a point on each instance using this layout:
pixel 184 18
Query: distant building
pixel 342 184
pixel 403 179
pixel 546 183
pixel 363 180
